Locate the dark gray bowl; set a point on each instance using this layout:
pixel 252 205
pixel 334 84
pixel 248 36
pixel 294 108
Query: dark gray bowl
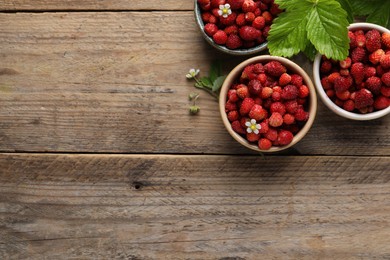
pixel 238 52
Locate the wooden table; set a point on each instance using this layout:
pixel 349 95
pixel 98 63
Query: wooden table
pixel 100 158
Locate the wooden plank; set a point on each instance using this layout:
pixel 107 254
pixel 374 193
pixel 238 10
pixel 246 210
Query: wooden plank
pixel 121 89
pixel 203 207
pixel 51 5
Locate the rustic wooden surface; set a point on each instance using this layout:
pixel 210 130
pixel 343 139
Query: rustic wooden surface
pixel 99 158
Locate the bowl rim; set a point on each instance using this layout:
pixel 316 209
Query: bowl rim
pixel 327 101
pixel 237 52
pixel 292 66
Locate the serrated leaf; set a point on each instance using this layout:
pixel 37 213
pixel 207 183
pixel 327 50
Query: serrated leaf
pixel 310 51
pixel 287 4
pixel 206 82
pixel 218 83
pixel 215 70
pixel 327 29
pixel 381 15
pixel 365 7
pixel 346 5
pixel 287 36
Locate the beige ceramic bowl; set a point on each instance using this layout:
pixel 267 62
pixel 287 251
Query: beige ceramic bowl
pixel 291 66
pixel 248 51
pixel 327 101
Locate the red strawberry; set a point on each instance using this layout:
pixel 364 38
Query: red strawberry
pixel 363 98
pixel 291 106
pixel 373 40
pixel 258 68
pixel 232 29
pixel 301 115
pixel 242 91
pixel 235 4
pixel 246 106
pixel 272 134
pixel 230 20
pixel 288 119
pixel 360 40
pixel 258 113
pixel 233 42
pixel 385 91
pixel 386 39
pixel 278 107
pixel 333 76
pixel 240 20
pixel 258 22
pixel 264 144
pixel 232 95
pixel 249 17
pixel 217 3
pixel 381 102
pixel 266 92
pixel 373 84
pixel 264 127
pixel 248 73
pixel 255 87
pixel 220 37
pixel 352 40
pixel 358 54
pixel 274 9
pixel 386 79
pixel 210 29
pixel 349 105
pixel 357 72
pixel 296 80
pixel 376 56
pixel 343 95
pixel 252 137
pixel 325 83
pixel 267 16
pixel 284 79
pixel 203 2
pixel 249 6
pixel 249 33
pixel 233 115
pixel 326 66
pixel 342 83
pixel 345 64
pixel 303 91
pixel 285 137
pixel 290 92
pixel 369 72
pixel 275 119
pixel 230 106
pixel 275 68
pixel 236 126
pixel 385 61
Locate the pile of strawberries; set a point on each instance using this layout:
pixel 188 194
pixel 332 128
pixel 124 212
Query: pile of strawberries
pixel 246 24
pixel 361 82
pixel 268 104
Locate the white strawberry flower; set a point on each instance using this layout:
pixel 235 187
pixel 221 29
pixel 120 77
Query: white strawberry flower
pixel 192 73
pixel 252 127
pixel 224 10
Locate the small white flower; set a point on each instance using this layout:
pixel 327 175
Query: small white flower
pixel 192 73
pixel 224 10
pixel 252 126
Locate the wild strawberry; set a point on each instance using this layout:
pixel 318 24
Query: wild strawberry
pixel 248 44
pixel 233 115
pixel 369 72
pixel 357 72
pixel 217 3
pixel 344 72
pixel 272 134
pixel 249 6
pixel 246 106
pixel 258 22
pixel 301 115
pixel 296 80
pixel 344 95
pixel 249 33
pixel 380 71
pixel 285 137
pixel 203 2
pixel 376 56
pixel 291 106
pixel 233 41
pixel 352 40
pixel 290 92
pixel 232 29
pixel 330 93
pixel 266 30
pixel 342 83
pixel 243 121
pixel 339 102
pixel 276 96
pixel 325 83
pixel 213 19
pixel 363 98
pixel 386 39
pixel 232 95
pixel 373 84
pixel 210 29
pixel 386 79
pixel 258 68
pixel 274 9
pixel 359 32
pixel 349 105
pixel 326 67
pixel 275 119
pixel 358 54
pixel 284 79
pixel 258 113
pixel 242 91
pixel 250 17
pixel 264 144
pixel 230 20
pixel 381 102
pixel 288 119
pixel 248 73
pixel 230 106
pixel 252 137
pixel 258 100
pixel 267 16
pixel 235 4
pixel 275 68
pixel 264 127
pixel 345 64
pixel 236 126
pixel 240 19
pixel 333 76
pixel 255 87
pixel 360 40
pixel 373 40
pixel 385 61
pixel 206 17
pixel 303 91
pixel 278 107
pixel 266 92
pixel 385 91
pixel 220 37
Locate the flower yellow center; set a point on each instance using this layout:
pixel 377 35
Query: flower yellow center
pixel 253 127
pixel 225 10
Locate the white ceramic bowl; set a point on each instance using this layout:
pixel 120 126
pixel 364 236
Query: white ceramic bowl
pixel 327 101
pixel 291 66
pixel 237 52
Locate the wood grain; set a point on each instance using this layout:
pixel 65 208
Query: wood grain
pixel 69 5
pixel 206 207
pixel 114 83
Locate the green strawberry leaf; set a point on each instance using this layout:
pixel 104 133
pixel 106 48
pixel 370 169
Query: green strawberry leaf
pixel 215 70
pixel 365 7
pixel 218 83
pixel 381 15
pixel 310 51
pixel 327 29
pixel 206 82
pixel 346 5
